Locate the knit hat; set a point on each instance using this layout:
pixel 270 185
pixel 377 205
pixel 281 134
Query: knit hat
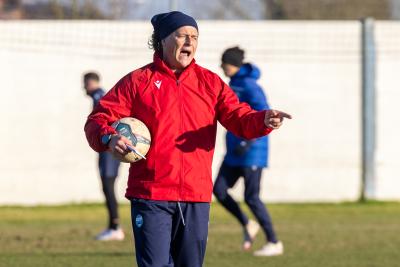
pixel 233 56
pixel 166 23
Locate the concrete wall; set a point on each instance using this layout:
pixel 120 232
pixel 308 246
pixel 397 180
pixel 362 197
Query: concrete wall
pixel 310 69
pixel 387 185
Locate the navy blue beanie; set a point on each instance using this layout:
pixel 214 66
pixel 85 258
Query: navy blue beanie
pixel 166 23
pixel 233 56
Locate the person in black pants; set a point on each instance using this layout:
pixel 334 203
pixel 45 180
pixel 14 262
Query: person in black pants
pixel 108 168
pixel 246 158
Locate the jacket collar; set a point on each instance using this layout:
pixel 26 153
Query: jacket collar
pixel 247 70
pixel 95 92
pixel 161 66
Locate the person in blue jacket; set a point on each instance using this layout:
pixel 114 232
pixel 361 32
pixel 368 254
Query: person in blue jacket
pixel 108 168
pixel 246 158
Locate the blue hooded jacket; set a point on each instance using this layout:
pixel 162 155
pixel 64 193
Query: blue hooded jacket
pixel 241 152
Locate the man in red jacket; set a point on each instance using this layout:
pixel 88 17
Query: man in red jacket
pixel 180 102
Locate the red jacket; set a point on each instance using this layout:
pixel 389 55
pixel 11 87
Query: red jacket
pixel 181 114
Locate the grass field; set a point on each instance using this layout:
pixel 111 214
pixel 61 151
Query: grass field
pixel 345 235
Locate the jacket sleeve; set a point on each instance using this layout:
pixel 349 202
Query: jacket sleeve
pixel 239 118
pixel 116 104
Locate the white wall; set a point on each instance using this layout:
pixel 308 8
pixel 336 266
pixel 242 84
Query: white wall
pixel 310 69
pixel 387 184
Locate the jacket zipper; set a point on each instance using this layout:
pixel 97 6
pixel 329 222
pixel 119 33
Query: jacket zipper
pixel 182 171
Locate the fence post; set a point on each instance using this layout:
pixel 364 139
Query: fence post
pixel 368 108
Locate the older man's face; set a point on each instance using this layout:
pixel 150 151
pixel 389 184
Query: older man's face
pixel 179 47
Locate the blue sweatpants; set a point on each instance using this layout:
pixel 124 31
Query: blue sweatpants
pixel 169 233
pixel 108 165
pixel 227 178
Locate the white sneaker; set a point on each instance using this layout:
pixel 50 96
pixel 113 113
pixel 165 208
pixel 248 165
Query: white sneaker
pixel 252 229
pixel 111 234
pixel 270 249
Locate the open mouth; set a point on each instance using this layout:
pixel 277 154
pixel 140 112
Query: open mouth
pixel 185 53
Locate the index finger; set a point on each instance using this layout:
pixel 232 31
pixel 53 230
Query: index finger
pixel 284 115
pixel 281 114
pixel 126 140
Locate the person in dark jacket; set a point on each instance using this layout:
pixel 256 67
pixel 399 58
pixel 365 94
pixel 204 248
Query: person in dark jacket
pixel 108 168
pixel 180 102
pixel 246 158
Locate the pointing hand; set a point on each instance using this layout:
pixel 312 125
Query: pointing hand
pixel 274 118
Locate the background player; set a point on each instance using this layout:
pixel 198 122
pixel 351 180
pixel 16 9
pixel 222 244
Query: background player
pixel 246 158
pixel 108 168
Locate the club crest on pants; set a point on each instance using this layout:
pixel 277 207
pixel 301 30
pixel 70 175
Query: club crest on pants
pixel 139 220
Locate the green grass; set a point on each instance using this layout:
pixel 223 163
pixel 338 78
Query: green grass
pixel 345 235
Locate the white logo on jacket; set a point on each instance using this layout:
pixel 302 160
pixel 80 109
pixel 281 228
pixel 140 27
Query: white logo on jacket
pixel 158 84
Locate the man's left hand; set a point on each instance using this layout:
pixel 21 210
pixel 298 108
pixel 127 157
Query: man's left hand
pixel 274 118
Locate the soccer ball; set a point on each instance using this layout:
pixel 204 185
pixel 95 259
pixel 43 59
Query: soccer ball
pixel 138 133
